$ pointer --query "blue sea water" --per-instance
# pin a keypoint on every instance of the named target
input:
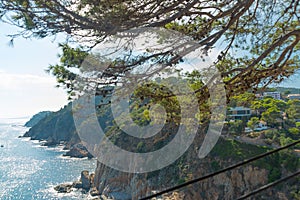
(30, 171)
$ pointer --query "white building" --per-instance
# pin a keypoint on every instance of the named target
(275, 95)
(293, 96)
(239, 113)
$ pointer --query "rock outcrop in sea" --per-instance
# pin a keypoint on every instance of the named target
(58, 128)
(78, 151)
(86, 184)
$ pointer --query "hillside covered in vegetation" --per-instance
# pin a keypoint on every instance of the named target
(234, 146)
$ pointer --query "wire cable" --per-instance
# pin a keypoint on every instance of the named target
(220, 171)
(268, 186)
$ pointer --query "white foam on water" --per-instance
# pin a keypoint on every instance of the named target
(74, 194)
(71, 158)
(59, 148)
(25, 139)
(35, 141)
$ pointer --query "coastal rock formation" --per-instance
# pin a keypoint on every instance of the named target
(50, 142)
(77, 184)
(59, 128)
(85, 184)
(78, 151)
(37, 118)
(226, 186)
(94, 192)
(112, 184)
(56, 128)
(63, 188)
(85, 180)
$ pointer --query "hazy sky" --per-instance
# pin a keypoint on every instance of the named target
(25, 88)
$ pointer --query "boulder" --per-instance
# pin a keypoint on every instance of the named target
(63, 188)
(77, 184)
(94, 192)
(78, 151)
(92, 179)
(105, 197)
(50, 142)
(85, 179)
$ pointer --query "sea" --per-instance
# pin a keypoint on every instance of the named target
(29, 170)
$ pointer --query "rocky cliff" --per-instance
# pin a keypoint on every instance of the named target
(37, 118)
(230, 185)
(59, 127)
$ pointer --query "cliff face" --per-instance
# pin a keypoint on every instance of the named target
(59, 127)
(37, 118)
(230, 185)
(55, 128)
(224, 186)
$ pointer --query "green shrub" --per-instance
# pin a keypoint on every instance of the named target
(274, 175)
(215, 166)
(268, 141)
(294, 131)
(181, 181)
(236, 127)
(271, 133)
(295, 194)
(290, 162)
(140, 146)
(285, 140)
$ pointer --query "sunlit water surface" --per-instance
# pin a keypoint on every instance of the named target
(30, 171)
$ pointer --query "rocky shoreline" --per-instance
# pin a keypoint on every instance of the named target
(57, 128)
(86, 184)
(77, 150)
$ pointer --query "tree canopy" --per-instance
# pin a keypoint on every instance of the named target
(258, 40)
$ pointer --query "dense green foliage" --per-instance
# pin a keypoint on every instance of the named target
(231, 149)
(260, 39)
(253, 122)
(236, 127)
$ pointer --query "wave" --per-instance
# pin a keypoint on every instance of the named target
(74, 194)
(73, 158)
